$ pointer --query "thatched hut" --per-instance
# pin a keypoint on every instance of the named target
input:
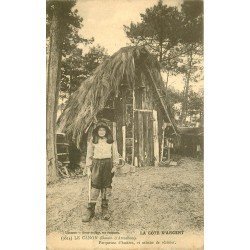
(128, 91)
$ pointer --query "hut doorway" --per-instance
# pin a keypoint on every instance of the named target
(137, 131)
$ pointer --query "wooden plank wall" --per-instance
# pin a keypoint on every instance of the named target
(144, 145)
(119, 123)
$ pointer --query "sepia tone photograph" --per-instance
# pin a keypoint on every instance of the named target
(124, 124)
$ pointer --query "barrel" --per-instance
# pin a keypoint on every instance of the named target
(62, 147)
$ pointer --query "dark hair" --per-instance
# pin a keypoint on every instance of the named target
(108, 134)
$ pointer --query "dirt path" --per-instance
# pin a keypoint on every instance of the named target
(169, 198)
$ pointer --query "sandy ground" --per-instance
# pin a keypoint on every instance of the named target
(169, 198)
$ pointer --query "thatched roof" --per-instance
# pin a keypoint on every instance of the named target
(90, 98)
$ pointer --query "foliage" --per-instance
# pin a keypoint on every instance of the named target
(77, 67)
(191, 61)
(192, 31)
(159, 30)
(71, 70)
(71, 24)
(63, 24)
(195, 102)
(192, 42)
(57, 13)
(174, 96)
(94, 58)
(190, 49)
(175, 37)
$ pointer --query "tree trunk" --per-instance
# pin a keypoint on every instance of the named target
(186, 89)
(53, 79)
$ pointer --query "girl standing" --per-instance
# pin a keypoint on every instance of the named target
(101, 163)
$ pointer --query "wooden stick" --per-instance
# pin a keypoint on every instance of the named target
(163, 102)
(124, 142)
(133, 127)
(114, 131)
(156, 140)
(141, 141)
(162, 144)
(89, 189)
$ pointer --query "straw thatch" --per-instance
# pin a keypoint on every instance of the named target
(90, 98)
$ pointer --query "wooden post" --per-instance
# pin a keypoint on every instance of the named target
(119, 124)
(136, 162)
(145, 124)
(124, 142)
(114, 131)
(156, 139)
(133, 127)
(146, 139)
(114, 134)
(151, 138)
(136, 138)
(141, 139)
(162, 144)
(124, 124)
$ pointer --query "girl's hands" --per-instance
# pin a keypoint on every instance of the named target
(114, 169)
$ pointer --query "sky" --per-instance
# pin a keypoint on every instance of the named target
(104, 20)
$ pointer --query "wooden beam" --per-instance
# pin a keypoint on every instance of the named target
(162, 144)
(143, 110)
(124, 142)
(150, 138)
(133, 127)
(156, 139)
(141, 139)
(163, 101)
(124, 124)
(136, 143)
(146, 138)
(114, 131)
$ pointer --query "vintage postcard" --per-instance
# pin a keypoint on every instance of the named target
(124, 124)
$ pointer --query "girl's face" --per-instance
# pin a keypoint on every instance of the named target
(101, 132)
